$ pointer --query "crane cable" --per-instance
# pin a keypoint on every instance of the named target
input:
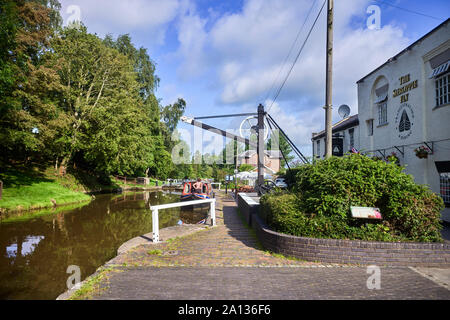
(295, 149)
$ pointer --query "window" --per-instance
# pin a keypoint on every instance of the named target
(443, 90)
(382, 113)
(381, 93)
(445, 187)
(351, 132)
(318, 148)
(369, 127)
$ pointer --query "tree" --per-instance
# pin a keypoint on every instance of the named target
(27, 87)
(246, 167)
(170, 116)
(109, 125)
(285, 149)
(8, 30)
(181, 157)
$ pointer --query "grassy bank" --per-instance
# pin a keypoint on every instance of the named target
(38, 187)
(33, 188)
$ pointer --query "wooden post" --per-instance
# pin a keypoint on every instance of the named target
(329, 84)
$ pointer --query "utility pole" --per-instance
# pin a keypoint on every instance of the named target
(261, 147)
(329, 85)
(236, 169)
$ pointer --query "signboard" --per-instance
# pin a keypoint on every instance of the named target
(366, 213)
(338, 147)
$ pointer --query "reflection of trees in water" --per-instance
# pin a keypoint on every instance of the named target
(86, 237)
(192, 215)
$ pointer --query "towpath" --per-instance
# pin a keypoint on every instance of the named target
(226, 262)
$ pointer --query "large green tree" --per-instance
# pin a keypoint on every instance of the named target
(109, 124)
(27, 86)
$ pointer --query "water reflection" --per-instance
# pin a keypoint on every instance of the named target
(35, 253)
(25, 248)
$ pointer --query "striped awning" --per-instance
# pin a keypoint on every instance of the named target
(440, 70)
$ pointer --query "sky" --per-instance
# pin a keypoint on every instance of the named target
(226, 57)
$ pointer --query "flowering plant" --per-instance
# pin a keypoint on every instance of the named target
(422, 152)
(393, 158)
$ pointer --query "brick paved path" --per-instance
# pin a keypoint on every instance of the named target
(231, 243)
(226, 262)
(281, 283)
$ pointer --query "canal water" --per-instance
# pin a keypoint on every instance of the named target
(36, 252)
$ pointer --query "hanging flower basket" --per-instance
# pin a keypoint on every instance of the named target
(422, 152)
(393, 158)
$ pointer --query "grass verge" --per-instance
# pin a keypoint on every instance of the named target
(35, 189)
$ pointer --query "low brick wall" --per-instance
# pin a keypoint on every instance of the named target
(352, 251)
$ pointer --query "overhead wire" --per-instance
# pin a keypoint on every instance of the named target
(409, 10)
(290, 50)
(281, 151)
(296, 58)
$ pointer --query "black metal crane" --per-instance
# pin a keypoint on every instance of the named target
(261, 115)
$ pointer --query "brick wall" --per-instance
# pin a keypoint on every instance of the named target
(352, 251)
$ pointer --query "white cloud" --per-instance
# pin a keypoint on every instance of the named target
(298, 124)
(192, 38)
(247, 49)
(239, 55)
(118, 16)
(260, 37)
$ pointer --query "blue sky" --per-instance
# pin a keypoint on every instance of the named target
(224, 56)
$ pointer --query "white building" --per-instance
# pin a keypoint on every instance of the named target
(405, 104)
(345, 138)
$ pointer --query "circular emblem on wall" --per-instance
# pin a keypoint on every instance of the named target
(404, 120)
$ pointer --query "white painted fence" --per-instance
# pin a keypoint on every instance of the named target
(155, 213)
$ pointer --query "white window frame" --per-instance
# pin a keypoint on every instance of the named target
(444, 186)
(442, 87)
(382, 113)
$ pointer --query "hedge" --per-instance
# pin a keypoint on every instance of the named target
(318, 204)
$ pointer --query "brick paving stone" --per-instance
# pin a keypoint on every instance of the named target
(284, 283)
(227, 262)
(230, 243)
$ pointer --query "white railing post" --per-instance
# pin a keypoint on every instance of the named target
(155, 212)
(155, 222)
(213, 212)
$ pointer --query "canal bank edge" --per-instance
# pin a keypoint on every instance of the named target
(344, 251)
(81, 202)
(146, 239)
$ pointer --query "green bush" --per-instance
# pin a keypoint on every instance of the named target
(319, 203)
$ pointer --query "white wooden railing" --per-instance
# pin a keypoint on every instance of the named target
(155, 213)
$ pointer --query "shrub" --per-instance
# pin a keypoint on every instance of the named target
(319, 203)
